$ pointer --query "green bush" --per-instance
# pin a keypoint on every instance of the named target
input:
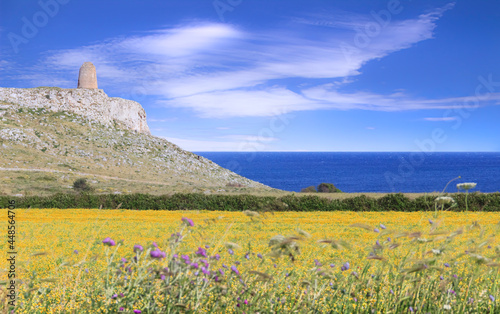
(309, 189)
(81, 185)
(198, 201)
(327, 188)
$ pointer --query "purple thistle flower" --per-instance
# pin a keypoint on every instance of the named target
(235, 270)
(223, 265)
(162, 277)
(216, 257)
(155, 245)
(382, 226)
(221, 271)
(492, 298)
(202, 252)
(121, 294)
(247, 256)
(392, 292)
(446, 265)
(344, 267)
(230, 251)
(355, 299)
(317, 262)
(388, 239)
(75, 251)
(376, 230)
(489, 246)
(114, 296)
(275, 265)
(246, 301)
(332, 265)
(157, 254)
(204, 261)
(411, 309)
(205, 270)
(378, 243)
(138, 248)
(121, 309)
(188, 222)
(186, 259)
(124, 260)
(194, 265)
(471, 300)
(441, 277)
(207, 246)
(431, 222)
(455, 276)
(259, 255)
(137, 311)
(237, 262)
(109, 242)
(87, 270)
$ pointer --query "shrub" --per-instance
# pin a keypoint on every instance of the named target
(309, 189)
(81, 185)
(327, 188)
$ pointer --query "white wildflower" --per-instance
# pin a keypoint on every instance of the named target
(447, 307)
(444, 200)
(466, 186)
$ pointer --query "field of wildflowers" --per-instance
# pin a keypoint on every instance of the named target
(99, 261)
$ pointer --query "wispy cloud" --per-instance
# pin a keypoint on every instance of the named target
(441, 119)
(219, 70)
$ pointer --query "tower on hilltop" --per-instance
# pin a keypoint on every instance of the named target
(87, 77)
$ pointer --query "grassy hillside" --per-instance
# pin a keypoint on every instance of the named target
(43, 152)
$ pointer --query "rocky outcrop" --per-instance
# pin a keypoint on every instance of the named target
(92, 103)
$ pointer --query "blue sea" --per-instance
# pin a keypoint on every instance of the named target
(365, 172)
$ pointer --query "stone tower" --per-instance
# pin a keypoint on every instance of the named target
(87, 77)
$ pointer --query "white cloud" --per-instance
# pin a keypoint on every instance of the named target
(441, 119)
(244, 103)
(219, 71)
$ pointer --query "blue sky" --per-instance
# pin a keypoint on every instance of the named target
(243, 75)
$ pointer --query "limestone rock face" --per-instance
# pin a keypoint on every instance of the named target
(92, 103)
(87, 78)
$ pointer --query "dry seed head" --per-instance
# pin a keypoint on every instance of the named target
(48, 280)
(263, 275)
(363, 226)
(303, 233)
(39, 254)
(376, 257)
(251, 213)
(231, 245)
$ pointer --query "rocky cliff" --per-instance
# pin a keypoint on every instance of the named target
(91, 103)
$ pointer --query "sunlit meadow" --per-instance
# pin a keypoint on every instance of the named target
(96, 261)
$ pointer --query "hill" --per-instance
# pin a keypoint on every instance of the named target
(48, 142)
